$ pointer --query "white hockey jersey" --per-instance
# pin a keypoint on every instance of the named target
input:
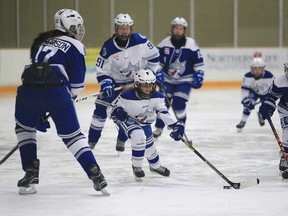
(120, 64)
(143, 111)
(260, 86)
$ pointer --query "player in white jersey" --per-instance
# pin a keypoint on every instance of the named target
(279, 90)
(255, 85)
(120, 57)
(49, 85)
(134, 111)
(182, 65)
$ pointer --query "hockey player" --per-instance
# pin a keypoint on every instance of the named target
(49, 85)
(182, 66)
(120, 57)
(255, 85)
(279, 91)
(134, 111)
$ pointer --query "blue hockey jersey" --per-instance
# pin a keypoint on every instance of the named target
(180, 63)
(67, 56)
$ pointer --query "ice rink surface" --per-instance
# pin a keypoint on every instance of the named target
(193, 187)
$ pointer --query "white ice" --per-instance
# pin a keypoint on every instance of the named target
(193, 187)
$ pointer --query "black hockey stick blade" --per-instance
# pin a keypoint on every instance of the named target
(232, 184)
(244, 184)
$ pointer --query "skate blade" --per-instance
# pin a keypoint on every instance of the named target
(138, 179)
(105, 192)
(32, 189)
(239, 130)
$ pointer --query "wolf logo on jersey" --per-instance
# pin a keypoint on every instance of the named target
(130, 70)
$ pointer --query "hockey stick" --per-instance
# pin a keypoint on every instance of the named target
(239, 185)
(277, 138)
(48, 116)
(16, 146)
(100, 93)
(170, 104)
(258, 102)
(9, 154)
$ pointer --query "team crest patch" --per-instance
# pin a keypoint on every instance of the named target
(166, 51)
(104, 51)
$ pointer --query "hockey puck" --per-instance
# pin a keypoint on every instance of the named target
(227, 187)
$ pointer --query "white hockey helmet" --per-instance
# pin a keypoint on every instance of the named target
(257, 67)
(179, 21)
(123, 19)
(70, 21)
(286, 69)
(144, 76)
(257, 62)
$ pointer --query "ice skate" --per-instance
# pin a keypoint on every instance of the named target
(27, 185)
(98, 180)
(120, 146)
(161, 170)
(157, 132)
(283, 167)
(260, 119)
(138, 173)
(240, 126)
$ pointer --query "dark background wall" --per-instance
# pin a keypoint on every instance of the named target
(213, 23)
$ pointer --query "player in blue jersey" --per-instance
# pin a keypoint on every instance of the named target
(279, 90)
(134, 111)
(120, 57)
(255, 85)
(49, 85)
(182, 66)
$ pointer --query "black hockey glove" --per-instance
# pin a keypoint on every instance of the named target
(267, 108)
(119, 115)
(178, 130)
(43, 124)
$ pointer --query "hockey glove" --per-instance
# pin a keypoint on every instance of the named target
(119, 115)
(43, 124)
(198, 78)
(178, 130)
(107, 87)
(248, 103)
(267, 108)
(159, 78)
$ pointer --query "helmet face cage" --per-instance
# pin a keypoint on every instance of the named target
(144, 77)
(70, 21)
(181, 22)
(123, 20)
(286, 69)
(257, 63)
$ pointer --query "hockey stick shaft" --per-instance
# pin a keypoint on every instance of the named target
(170, 104)
(9, 154)
(232, 184)
(16, 146)
(100, 93)
(206, 161)
(277, 137)
(97, 94)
